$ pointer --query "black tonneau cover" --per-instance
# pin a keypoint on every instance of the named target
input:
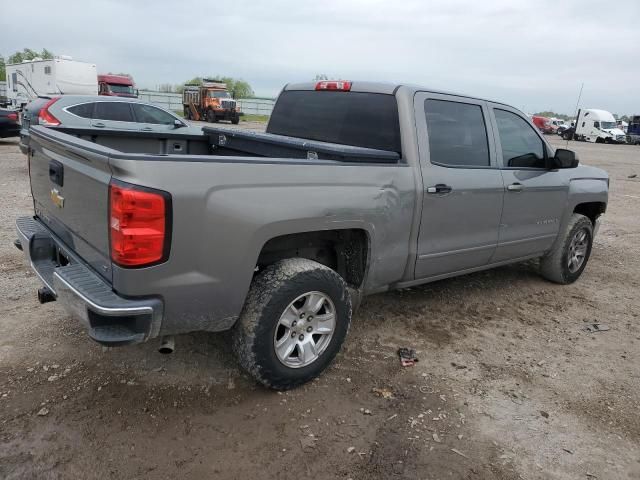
(270, 145)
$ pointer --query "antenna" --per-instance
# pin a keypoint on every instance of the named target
(575, 113)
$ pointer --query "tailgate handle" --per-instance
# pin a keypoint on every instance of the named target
(56, 172)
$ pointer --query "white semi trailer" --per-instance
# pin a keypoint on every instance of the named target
(57, 76)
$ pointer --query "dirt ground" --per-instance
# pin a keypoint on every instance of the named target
(509, 384)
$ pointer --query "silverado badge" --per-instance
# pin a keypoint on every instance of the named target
(56, 198)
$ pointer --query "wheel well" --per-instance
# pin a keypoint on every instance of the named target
(591, 210)
(345, 251)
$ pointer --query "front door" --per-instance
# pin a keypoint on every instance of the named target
(535, 196)
(463, 189)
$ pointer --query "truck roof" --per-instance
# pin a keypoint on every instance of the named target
(386, 88)
(599, 114)
(117, 79)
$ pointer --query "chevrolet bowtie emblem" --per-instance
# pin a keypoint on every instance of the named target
(56, 198)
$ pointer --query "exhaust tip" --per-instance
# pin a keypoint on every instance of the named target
(167, 345)
(45, 295)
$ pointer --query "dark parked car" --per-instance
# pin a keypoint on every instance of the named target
(100, 112)
(9, 126)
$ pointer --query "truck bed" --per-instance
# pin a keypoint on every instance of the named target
(219, 142)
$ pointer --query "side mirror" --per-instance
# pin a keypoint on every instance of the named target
(178, 124)
(564, 159)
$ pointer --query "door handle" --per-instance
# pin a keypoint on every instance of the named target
(439, 188)
(146, 129)
(515, 187)
(99, 125)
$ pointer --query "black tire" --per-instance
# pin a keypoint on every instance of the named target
(566, 135)
(271, 292)
(187, 113)
(555, 265)
(235, 120)
(211, 116)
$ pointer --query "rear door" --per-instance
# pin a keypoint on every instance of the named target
(463, 189)
(535, 196)
(152, 119)
(114, 116)
(70, 187)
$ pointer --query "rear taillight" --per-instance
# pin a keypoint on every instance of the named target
(338, 85)
(45, 117)
(139, 225)
(13, 116)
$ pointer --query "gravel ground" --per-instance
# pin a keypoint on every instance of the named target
(509, 384)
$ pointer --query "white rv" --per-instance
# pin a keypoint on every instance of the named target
(58, 76)
(598, 126)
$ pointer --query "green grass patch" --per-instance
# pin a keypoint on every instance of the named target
(254, 118)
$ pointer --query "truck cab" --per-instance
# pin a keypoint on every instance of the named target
(598, 126)
(543, 124)
(116, 86)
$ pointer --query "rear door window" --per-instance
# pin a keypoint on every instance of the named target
(84, 110)
(457, 134)
(114, 111)
(359, 119)
(148, 114)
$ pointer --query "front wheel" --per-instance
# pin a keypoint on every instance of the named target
(235, 120)
(567, 260)
(294, 321)
(211, 116)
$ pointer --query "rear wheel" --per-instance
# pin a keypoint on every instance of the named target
(294, 321)
(567, 260)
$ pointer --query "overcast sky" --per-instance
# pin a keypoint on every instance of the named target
(531, 54)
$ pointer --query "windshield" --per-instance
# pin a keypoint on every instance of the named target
(219, 94)
(117, 88)
(606, 125)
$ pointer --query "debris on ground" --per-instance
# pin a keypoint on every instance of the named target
(436, 438)
(43, 411)
(596, 327)
(382, 392)
(544, 414)
(308, 442)
(455, 450)
(351, 449)
(408, 356)
(633, 176)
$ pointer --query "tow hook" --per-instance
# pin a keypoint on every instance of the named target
(167, 345)
(45, 295)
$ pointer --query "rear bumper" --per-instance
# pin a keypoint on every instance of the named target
(109, 318)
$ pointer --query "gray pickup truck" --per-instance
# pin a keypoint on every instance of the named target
(355, 188)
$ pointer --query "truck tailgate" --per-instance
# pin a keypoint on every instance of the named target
(70, 187)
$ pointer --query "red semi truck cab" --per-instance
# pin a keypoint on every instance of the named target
(544, 124)
(116, 86)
